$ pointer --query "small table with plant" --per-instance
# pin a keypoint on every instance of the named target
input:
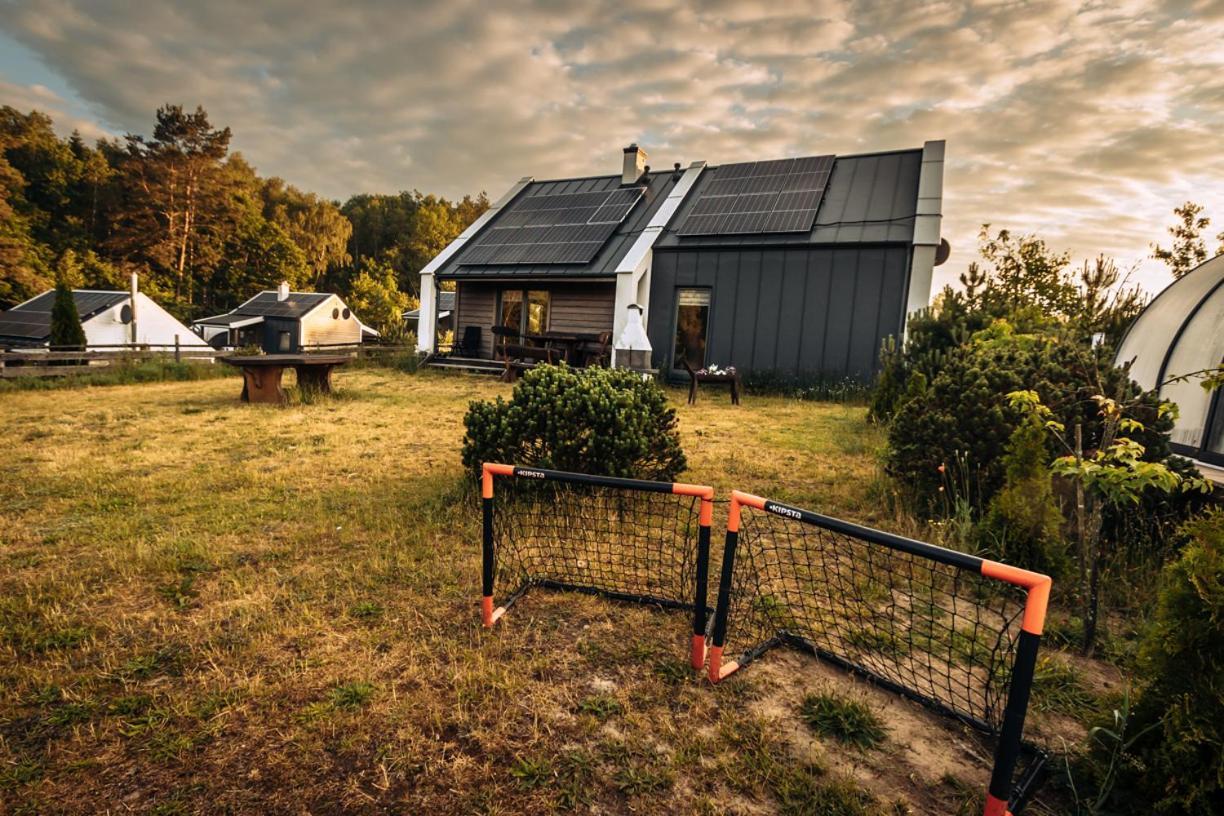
(712, 374)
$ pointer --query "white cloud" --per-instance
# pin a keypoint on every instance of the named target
(1086, 122)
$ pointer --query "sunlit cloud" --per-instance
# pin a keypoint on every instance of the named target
(1084, 122)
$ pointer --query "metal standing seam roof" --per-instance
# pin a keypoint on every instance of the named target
(870, 198)
(31, 321)
(603, 265)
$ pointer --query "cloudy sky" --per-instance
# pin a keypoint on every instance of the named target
(1083, 122)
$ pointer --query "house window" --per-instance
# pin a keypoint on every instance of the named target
(512, 309)
(525, 312)
(283, 342)
(692, 320)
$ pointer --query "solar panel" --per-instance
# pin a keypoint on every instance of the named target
(782, 195)
(18, 323)
(557, 228)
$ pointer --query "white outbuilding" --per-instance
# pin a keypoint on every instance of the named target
(109, 318)
(1179, 333)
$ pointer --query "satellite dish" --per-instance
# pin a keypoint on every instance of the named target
(125, 314)
(942, 252)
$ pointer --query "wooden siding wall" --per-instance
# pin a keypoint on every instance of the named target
(475, 304)
(813, 310)
(581, 307)
(573, 307)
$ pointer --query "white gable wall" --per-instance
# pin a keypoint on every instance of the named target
(154, 326)
(319, 327)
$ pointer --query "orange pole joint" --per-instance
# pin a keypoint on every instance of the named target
(487, 472)
(739, 500)
(1038, 587)
(718, 670)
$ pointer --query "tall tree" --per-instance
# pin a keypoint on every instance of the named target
(173, 199)
(316, 226)
(1188, 249)
(376, 299)
(1024, 272)
(23, 267)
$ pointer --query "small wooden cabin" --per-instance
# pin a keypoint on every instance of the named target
(283, 322)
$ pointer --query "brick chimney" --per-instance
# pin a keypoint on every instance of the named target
(282, 291)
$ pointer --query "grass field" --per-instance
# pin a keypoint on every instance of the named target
(207, 607)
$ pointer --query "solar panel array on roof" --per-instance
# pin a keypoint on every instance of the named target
(759, 197)
(32, 319)
(35, 326)
(267, 305)
(564, 228)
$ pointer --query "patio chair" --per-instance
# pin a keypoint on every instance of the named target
(599, 352)
(469, 345)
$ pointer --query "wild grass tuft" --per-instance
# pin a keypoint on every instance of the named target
(848, 721)
(352, 695)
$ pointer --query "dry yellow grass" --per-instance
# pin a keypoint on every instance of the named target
(207, 607)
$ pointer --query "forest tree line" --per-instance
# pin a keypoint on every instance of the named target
(200, 226)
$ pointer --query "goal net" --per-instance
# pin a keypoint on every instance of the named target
(954, 631)
(628, 539)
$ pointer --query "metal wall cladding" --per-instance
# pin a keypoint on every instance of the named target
(820, 311)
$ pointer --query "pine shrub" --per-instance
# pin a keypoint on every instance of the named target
(1022, 525)
(1182, 657)
(609, 422)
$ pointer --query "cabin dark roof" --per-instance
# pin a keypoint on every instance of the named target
(869, 199)
(603, 265)
(265, 304)
(296, 306)
(446, 303)
(30, 322)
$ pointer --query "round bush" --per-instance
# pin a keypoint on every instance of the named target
(608, 422)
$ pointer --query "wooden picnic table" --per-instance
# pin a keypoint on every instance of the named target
(261, 374)
(570, 343)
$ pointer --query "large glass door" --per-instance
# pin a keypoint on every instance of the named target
(525, 311)
(692, 322)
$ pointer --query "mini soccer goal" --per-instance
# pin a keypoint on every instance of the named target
(627, 539)
(953, 631)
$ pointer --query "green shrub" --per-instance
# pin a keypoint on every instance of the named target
(609, 422)
(1182, 657)
(964, 416)
(1022, 522)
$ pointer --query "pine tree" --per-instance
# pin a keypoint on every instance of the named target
(66, 331)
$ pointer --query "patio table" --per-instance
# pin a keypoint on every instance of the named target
(261, 374)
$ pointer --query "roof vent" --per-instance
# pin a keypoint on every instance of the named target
(634, 166)
(282, 291)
